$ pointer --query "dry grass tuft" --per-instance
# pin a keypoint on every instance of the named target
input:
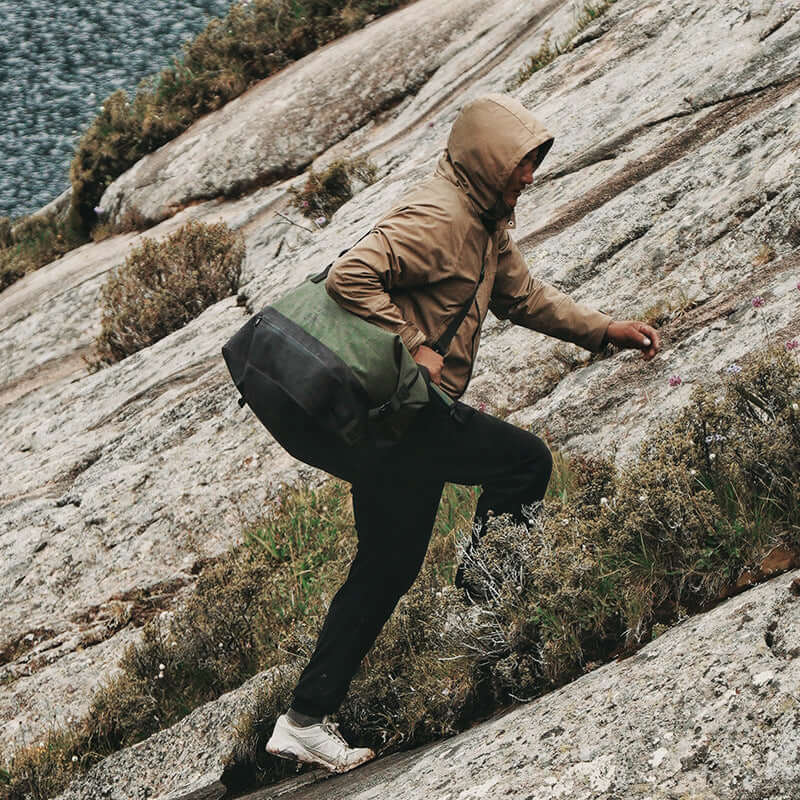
(325, 192)
(32, 242)
(165, 284)
(549, 51)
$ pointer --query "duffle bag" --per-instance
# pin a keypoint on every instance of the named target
(354, 378)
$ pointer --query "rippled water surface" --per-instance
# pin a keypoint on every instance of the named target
(58, 61)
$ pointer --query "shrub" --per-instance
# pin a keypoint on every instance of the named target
(325, 192)
(163, 285)
(254, 40)
(113, 142)
(31, 243)
(6, 239)
(712, 493)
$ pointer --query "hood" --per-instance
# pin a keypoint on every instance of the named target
(489, 137)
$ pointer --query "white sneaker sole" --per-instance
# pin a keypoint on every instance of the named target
(307, 757)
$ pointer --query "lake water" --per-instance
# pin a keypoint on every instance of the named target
(58, 61)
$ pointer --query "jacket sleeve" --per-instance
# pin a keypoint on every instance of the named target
(409, 248)
(520, 297)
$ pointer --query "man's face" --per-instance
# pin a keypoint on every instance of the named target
(521, 177)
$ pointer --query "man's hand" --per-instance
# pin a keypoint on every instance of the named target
(634, 334)
(431, 360)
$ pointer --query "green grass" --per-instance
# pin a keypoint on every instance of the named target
(613, 559)
(549, 50)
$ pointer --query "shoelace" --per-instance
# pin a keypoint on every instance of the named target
(333, 729)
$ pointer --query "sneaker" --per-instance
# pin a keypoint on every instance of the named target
(316, 744)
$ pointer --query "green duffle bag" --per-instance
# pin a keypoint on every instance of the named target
(354, 378)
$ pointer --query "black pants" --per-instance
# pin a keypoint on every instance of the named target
(396, 491)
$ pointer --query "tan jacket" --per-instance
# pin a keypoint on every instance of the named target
(419, 265)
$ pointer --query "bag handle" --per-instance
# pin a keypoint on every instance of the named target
(319, 277)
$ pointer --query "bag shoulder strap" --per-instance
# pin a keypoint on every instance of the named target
(321, 276)
(442, 345)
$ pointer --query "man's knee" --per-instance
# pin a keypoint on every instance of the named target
(400, 572)
(547, 463)
(539, 468)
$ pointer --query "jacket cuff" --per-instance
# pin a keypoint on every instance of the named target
(605, 340)
(412, 337)
(596, 336)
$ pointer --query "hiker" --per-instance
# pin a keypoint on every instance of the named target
(412, 274)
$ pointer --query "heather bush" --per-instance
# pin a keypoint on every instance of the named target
(712, 493)
(165, 284)
(6, 239)
(31, 243)
(325, 192)
(113, 142)
(254, 40)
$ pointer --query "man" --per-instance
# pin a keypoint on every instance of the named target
(414, 272)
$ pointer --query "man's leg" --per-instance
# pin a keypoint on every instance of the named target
(394, 520)
(512, 465)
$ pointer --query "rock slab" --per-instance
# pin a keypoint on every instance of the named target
(282, 123)
(673, 187)
(708, 710)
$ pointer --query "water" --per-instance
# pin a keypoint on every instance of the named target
(58, 61)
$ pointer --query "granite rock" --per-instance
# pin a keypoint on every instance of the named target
(673, 181)
(709, 709)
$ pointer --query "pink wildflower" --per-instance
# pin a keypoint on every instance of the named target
(482, 408)
(675, 380)
(758, 301)
(793, 344)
